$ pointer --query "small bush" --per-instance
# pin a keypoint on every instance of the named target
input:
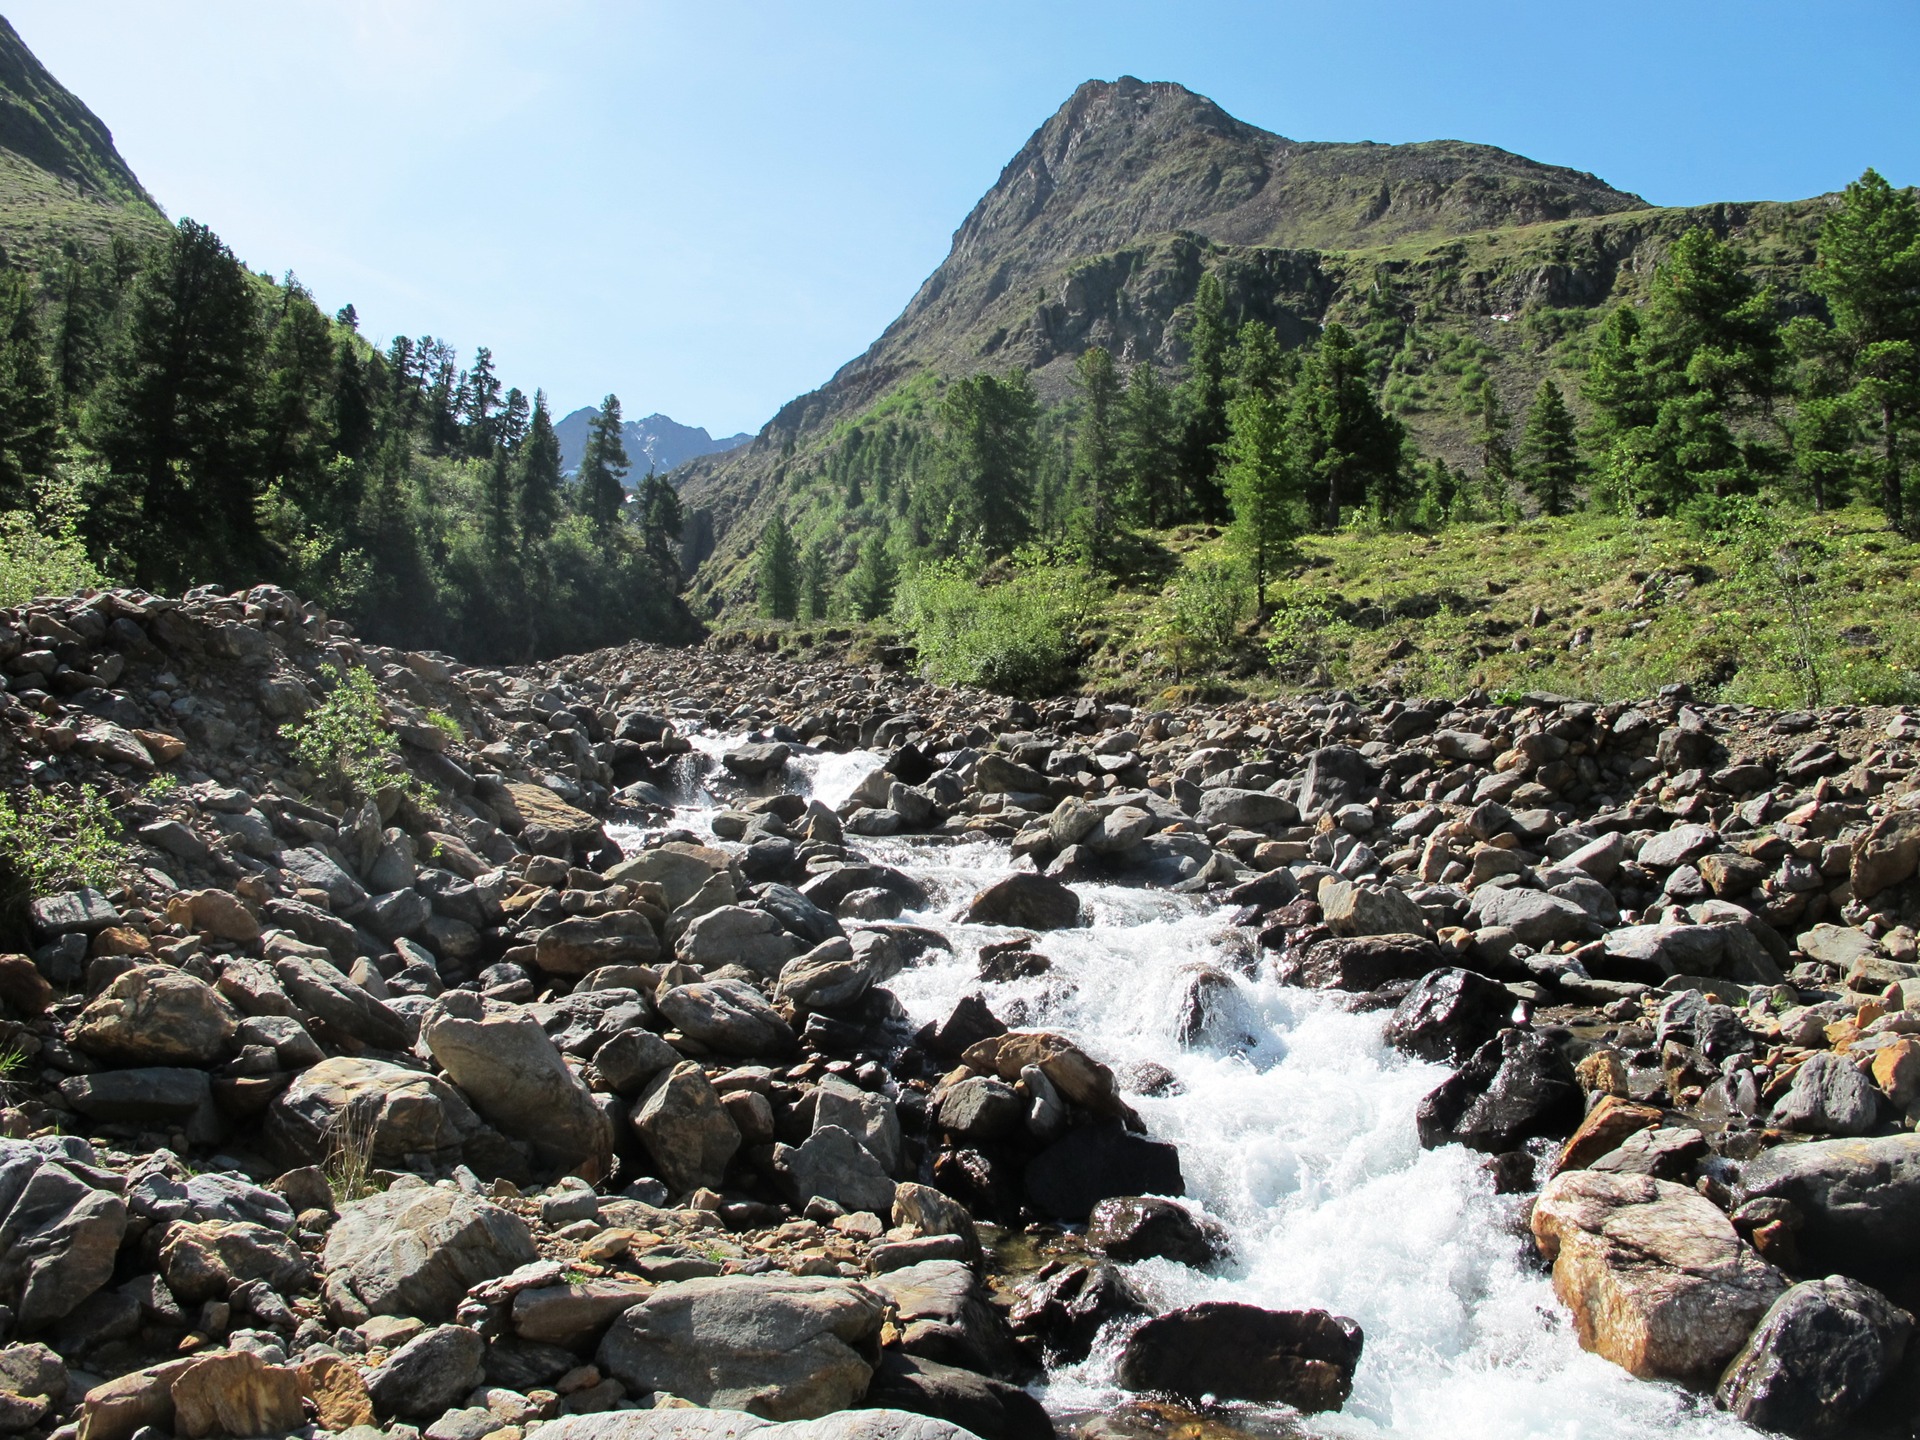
(41, 552)
(1018, 637)
(1199, 617)
(444, 723)
(349, 1166)
(345, 740)
(52, 844)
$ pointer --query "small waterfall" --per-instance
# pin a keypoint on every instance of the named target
(1295, 1124)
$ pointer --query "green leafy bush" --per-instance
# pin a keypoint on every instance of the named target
(52, 843)
(41, 552)
(1198, 619)
(345, 740)
(1020, 636)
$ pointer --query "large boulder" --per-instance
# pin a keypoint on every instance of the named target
(332, 1005)
(1449, 1014)
(60, 1229)
(1064, 1308)
(1335, 776)
(1537, 918)
(417, 1249)
(779, 1346)
(979, 1404)
(1828, 1096)
(428, 1374)
(1353, 907)
(1145, 1227)
(1362, 963)
(685, 1128)
(1025, 901)
(1517, 1087)
(587, 942)
(205, 1260)
(1096, 1162)
(832, 1164)
(518, 1080)
(677, 1424)
(1887, 854)
(1658, 1280)
(729, 1017)
(1856, 1198)
(385, 1110)
(1246, 809)
(1823, 1350)
(1302, 1358)
(738, 935)
(156, 1015)
(943, 1315)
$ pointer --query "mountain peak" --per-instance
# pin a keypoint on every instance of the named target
(47, 125)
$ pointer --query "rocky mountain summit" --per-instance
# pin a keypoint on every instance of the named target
(658, 442)
(489, 1098)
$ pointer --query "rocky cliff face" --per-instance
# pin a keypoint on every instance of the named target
(658, 442)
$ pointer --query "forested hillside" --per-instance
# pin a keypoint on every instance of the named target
(170, 418)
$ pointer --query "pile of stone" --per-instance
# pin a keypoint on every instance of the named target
(436, 1110)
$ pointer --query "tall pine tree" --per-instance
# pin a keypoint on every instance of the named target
(29, 413)
(778, 570)
(1203, 402)
(1550, 451)
(603, 468)
(537, 474)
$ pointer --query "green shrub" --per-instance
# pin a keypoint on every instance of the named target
(1020, 636)
(41, 552)
(1198, 619)
(51, 843)
(345, 741)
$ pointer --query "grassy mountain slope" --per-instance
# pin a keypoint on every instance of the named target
(1454, 262)
(60, 177)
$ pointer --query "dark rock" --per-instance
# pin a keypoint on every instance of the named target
(1821, 1352)
(1097, 1162)
(989, 1408)
(1857, 1197)
(1065, 1306)
(1027, 901)
(1449, 1014)
(1516, 1087)
(1302, 1358)
(1363, 962)
(1143, 1227)
(429, 1373)
(1336, 774)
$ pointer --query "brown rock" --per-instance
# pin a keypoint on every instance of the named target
(1607, 1124)
(1657, 1278)
(1602, 1071)
(236, 1393)
(1078, 1077)
(221, 915)
(115, 1410)
(1886, 854)
(23, 989)
(338, 1392)
(153, 1015)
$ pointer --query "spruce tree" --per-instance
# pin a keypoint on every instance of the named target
(29, 413)
(778, 571)
(1348, 449)
(874, 579)
(1550, 451)
(814, 583)
(1496, 450)
(497, 520)
(537, 474)
(482, 400)
(178, 422)
(1203, 402)
(1149, 456)
(603, 466)
(1869, 274)
(353, 422)
(985, 492)
(662, 521)
(1096, 457)
(1262, 483)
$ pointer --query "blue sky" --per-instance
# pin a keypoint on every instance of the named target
(708, 207)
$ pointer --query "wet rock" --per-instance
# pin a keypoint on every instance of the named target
(1516, 1087)
(1098, 1162)
(1828, 1096)
(1025, 901)
(429, 1373)
(1607, 1126)
(416, 1250)
(1145, 1227)
(59, 1232)
(519, 1082)
(779, 1346)
(1655, 1275)
(1066, 1306)
(1823, 1350)
(1302, 1358)
(755, 760)
(1857, 1198)
(830, 977)
(1363, 963)
(979, 1404)
(153, 1015)
(1449, 1014)
(685, 1128)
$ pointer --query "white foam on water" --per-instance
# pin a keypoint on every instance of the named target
(1295, 1125)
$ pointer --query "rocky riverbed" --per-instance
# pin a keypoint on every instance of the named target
(719, 1045)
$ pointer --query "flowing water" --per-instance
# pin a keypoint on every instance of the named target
(1295, 1125)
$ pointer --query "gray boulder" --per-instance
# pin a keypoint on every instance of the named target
(156, 1015)
(1828, 1096)
(517, 1078)
(1027, 902)
(389, 1111)
(1246, 809)
(737, 935)
(60, 1230)
(779, 1346)
(1823, 1350)
(417, 1249)
(832, 1164)
(1857, 1199)
(727, 1016)
(685, 1128)
(1539, 919)
(428, 1374)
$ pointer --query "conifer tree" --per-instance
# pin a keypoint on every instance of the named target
(1096, 458)
(778, 570)
(814, 581)
(1869, 274)
(1149, 457)
(1550, 451)
(497, 520)
(662, 520)
(603, 466)
(1203, 402)
(537, 474)
(29, 414)
(1347, 448)
(874, 579)
(985, 492)
(353, 423)
(482, 400)
(1262, 483)
(1493, 425)
(514, 416)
